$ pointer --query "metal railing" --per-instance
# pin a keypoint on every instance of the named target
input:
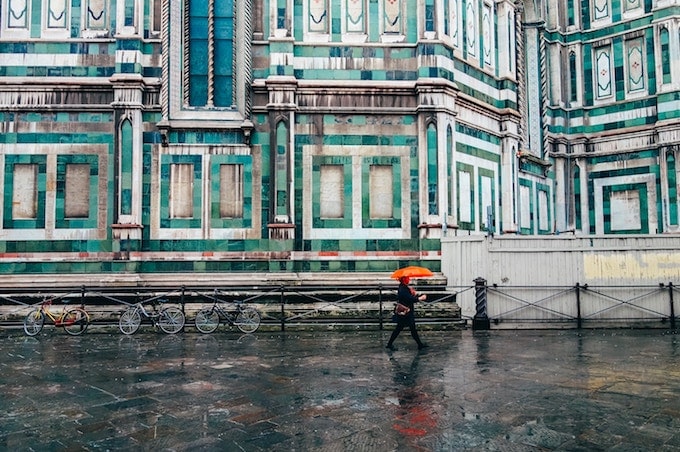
(281, 305)
(578, 305)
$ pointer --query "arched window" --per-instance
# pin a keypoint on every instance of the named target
(126, 176)
(449, 167)
(571, 14)
(573, 85)
(432, 165)
(577, 197)
(672, 189)
(210, 67)
(281, 15)
(429, 15)
(130, 19)
(665, 56)
(281, 171)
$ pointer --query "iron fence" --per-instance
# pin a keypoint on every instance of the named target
(579, 305)
(281, 305)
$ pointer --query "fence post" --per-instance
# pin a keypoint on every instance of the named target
(481, 319)
(380, 312)
(283, 311)
(181, 299)
(578, 306)
(670, 292)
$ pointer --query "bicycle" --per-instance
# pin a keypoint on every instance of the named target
(170, 319)
(245, 318)
(74, 320)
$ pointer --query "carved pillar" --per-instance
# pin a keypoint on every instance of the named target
(510, 146)
(281, 108)
(436, 109)
(128, 163)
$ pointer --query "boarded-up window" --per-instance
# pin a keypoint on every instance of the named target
(25, 195)
(77, 191)
(381, 186)
(231, 191)
(543, 219)
(465, 196)
(486, 187)
(332, 191)
(525, 214)
(181, 190)
(626, 210)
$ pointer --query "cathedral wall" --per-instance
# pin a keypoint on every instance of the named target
(264, 137)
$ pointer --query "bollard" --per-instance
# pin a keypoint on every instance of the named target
(670, 292)
(481, 320)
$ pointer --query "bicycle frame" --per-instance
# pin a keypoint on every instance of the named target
(74, 320)
(152, 315)
(169, 319)
(245, 318)
(56, 319)
(224, 314)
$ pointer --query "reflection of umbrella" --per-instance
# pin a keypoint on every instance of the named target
(412, 271)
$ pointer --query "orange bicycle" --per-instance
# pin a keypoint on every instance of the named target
(74, 320)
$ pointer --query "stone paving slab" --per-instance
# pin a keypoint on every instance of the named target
(610, 390)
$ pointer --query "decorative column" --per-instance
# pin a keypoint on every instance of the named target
(510, 142)
(281, 108)
(128, 164)
(436, 111)
(582, 163)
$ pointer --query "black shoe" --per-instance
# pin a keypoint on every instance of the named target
(422, 346)
(391, 347)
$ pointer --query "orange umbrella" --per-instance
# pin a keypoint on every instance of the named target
(412, 271)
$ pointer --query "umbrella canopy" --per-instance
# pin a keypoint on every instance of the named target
(412, 271)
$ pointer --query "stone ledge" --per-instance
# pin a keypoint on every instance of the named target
(207, 279)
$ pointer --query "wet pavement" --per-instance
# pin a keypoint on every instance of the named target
(614, 390)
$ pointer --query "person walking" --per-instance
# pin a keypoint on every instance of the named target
(407, 296)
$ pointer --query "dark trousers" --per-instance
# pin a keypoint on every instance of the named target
(401, 324)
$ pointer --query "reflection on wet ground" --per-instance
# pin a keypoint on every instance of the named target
(495, 390)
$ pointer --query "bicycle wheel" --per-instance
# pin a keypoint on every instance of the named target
(129, 321)
(207, 320)
(248, 320)
(34, 321)
(171, 320)
(75, 321)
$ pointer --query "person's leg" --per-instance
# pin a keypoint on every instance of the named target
(414, 334)
(395, 333)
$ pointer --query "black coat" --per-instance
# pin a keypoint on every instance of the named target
(406, 297)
